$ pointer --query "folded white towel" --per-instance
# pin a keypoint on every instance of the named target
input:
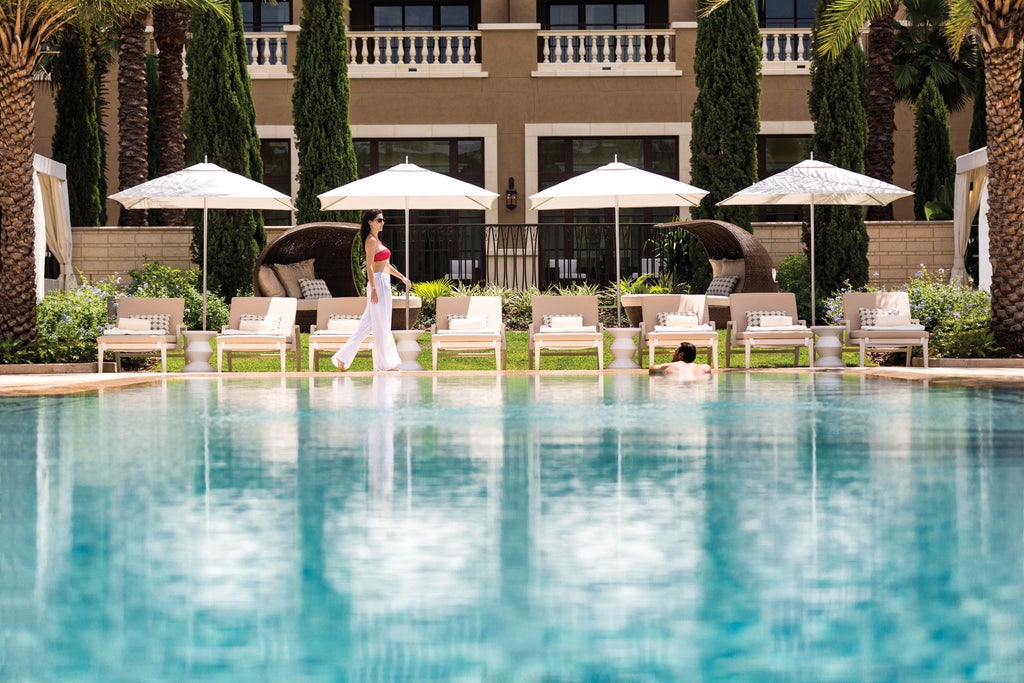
(669, 328)
(909, 327)
(585, 329)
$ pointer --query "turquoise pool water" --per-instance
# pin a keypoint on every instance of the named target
(555, 528)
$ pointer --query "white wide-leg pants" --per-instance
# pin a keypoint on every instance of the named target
(377, 319)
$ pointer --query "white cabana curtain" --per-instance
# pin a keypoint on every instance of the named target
(52, 220)
(971, 174)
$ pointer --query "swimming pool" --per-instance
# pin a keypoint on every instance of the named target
(808, 527)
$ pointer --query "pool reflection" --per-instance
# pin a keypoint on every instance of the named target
(528, 527)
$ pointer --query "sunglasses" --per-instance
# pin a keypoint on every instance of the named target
(378, 219)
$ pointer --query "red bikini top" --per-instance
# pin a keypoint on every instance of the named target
(383, 255)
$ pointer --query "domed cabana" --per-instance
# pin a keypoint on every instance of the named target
(323, 249)
(732, 251)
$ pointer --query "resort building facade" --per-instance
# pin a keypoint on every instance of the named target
(518, 95)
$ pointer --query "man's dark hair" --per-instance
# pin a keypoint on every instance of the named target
(686, 352)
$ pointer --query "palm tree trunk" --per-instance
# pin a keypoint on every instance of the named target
(132, 114)
(17, 227)
(170, 29)
(881, 105)
(1002, 51)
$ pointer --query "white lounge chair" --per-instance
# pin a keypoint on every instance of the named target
(336, 319)
(893, 328)
(565, 326)
(766, 321)
(259, 325)
(672, 319)
(145, 325)
(469, 326)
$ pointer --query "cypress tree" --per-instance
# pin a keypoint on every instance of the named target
(836, 101)
(76, 135)
(320, 102)
(725, 117)
(933, 157)
(220, 124)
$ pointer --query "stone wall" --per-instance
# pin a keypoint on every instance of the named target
(897, 249)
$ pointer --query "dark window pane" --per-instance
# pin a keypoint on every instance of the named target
(564, 16)
(631, 16)
(273, 17)
(419, 17)
(277, 173)
(455, 17)
(387, 18)
(471, 157)
(599, 16)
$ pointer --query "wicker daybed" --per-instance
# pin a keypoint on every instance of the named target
(328, 245)
(732, 251)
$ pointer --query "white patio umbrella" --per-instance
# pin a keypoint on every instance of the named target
(203, 186)
(815, 182)
(617, 185)
(407, 186)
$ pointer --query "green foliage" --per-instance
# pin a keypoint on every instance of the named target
(69, 322)
(672, 250)
(16, 351)
(933, 157)
(156, 280)
(941, 208)
(923, 53)
(220, 124)
(793, 274)
(958, 317)
(725, 116)
(429, 291)
(320, 105)
(76, 133)
(836, 102)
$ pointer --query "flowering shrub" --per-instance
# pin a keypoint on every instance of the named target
(156, 280)
(68, 323)
(794, 275)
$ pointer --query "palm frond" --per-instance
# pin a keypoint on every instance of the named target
(842, 22)
(960, 24)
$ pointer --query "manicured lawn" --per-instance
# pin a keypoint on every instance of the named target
(517, 359)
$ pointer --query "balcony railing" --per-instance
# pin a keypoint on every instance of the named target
(268, 52)
(785, 50)
(405, 52)
(628, 51)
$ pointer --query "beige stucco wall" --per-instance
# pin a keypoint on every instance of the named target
(896, 252)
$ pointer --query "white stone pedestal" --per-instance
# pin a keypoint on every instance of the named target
(828, 346)
(198, 351)
(623, 347)
(408, 348)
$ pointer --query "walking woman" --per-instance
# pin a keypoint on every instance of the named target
(377, 316)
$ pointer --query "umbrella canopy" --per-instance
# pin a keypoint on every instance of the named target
(617, 185)
(407, 186)
(203, 186)
(814, 182)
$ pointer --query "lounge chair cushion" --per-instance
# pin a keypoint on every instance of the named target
(869, 316)
(314, 288)
(268, 324)
(291, 273)
(343, 323)
(722, 285)
(666, 319)
(776, 321)
(158, 322)
(754, 317)
(562, 321)
(269, 284)
(466, 323)
(133, 324)
(582, 329)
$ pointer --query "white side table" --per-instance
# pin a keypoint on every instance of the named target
(829, 346)
(623, 347)
(198, 351)
(408, 348)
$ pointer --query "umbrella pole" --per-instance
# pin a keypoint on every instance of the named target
(618, 271)
(204, 262)
(812, 266)
(407, 261)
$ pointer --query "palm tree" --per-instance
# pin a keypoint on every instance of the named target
(26, 28)
(880, 153)
(922, 53)
(132, 111)
(999, 26)
(170, 30)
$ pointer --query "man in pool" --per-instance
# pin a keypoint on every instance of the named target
(682, 365)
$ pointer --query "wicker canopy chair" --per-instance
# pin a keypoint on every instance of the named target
(330, 247)
(727, 244)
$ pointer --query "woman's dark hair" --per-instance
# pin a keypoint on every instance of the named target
(686, 352)
(368, 216)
